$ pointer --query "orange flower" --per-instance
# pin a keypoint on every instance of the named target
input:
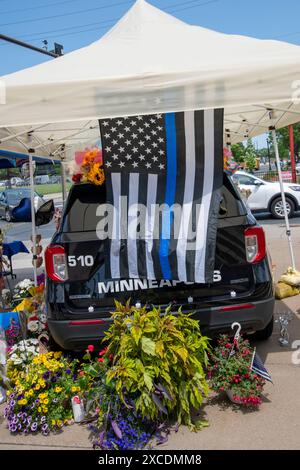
(96, 174)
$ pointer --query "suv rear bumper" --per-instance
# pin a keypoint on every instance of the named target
(254, 316)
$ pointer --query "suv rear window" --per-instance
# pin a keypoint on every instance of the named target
(84, 199)
(80, 212)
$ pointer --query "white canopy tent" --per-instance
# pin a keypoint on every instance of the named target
(151, 62)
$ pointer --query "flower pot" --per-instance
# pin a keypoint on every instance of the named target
(230, 395)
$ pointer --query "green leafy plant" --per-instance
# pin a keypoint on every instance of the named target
(158, 362)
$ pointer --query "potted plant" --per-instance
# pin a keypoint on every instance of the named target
(230, 371)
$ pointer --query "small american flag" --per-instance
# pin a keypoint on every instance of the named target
(257, 366)
(164, 159)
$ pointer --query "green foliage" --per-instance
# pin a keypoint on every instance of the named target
(159, 361)
(250, 156)
(229, 371)
(238, 152)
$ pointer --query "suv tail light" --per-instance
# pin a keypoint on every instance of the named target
(255, 243)
(56, 263)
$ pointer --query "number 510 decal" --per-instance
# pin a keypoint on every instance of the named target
(83, 261)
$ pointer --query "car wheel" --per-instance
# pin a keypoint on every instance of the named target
(277, 208)
(266, 333)
(8, 217)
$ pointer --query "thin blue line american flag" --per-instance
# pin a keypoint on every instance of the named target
(164, 159)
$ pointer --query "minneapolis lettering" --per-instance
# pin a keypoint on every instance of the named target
(125, 285)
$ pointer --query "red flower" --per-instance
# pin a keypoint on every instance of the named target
(100, 359)
(111, 356)
(77, 178)
(91, 348)
(228, 346)
(104, 351)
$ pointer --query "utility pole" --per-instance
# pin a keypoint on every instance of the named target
(292, 152)
(58, 49)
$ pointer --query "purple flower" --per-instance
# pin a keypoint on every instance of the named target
(45, 427)
(20, 415)
(43, 419)
(29, 419)
(20, 396)
(34, 427)
(68, 371)
(13, 428)
(46, 375)
(37, 400)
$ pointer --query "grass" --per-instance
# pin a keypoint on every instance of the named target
(44, 189)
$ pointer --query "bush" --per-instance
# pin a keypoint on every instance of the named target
(159, 361)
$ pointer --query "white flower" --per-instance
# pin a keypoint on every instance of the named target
(18, 361)
(33, 326)
(43, 318)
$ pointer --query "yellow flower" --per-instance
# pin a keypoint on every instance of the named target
(37, 387)
(22, 402)
(59, 423)
(30, 392)
(58, 389)
(57, 354)
(39, 409)
(96, 175)
(45, 410)
(46, 402)
(74, 389)
(53, 422)
(27, 394)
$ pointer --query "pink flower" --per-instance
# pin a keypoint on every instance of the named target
(91, 348)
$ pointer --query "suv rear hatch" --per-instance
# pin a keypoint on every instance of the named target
(86, 285)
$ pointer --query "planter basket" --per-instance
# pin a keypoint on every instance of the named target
(230, 395)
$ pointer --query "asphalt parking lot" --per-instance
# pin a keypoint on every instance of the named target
(276, 425)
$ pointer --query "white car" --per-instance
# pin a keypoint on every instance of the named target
(265, 196)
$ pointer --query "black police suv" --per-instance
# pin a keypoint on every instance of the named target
(80, 298)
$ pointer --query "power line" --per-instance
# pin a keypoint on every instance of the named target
(78, 12)
(33, 35)
(21, 10)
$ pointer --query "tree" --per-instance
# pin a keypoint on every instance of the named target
(283, 136)
(238, 152)
(250, 155)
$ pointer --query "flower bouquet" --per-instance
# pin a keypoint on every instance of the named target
(230, 371)
(88, 167)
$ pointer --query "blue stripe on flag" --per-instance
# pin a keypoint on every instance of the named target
(167, 216)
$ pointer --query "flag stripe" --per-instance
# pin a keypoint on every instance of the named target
(116, 232)
(215, 196)
(124, 272)
(150, 221)
(167, 218)
(201, 237)
(189, 125)
(132, 225)
(198, 190)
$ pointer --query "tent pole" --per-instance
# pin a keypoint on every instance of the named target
(31, 151)
(63, 178)
(287, 222)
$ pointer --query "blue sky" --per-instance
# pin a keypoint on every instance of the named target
(53, 20)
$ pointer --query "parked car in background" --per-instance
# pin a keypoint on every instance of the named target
(265, 196)
(80, 296)
(42, 179)
(11, 199)
(3, 184)
(54, 179)
(16, 181)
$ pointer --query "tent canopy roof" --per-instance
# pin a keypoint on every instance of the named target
(151, 62)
